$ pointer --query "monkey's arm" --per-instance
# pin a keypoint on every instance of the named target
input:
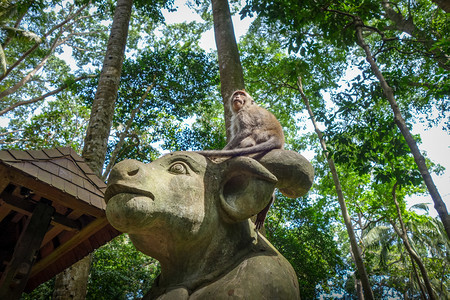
(236, 140)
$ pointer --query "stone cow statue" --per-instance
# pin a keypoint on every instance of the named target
(192, 214)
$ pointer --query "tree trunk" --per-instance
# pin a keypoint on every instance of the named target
(360, 267)
(96, 140)
(73, 281)
(439, 204)
(403, 235)
(443, 4)
(423, 295)
(231, 74)
(359, 289)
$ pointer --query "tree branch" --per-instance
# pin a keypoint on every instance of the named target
(28, 77)
(413, 255)
(124, 133)
(62, 87)
(408, 26)
(36, 45)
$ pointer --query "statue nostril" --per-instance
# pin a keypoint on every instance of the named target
(133, 171)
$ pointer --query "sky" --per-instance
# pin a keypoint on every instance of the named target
(207, 42)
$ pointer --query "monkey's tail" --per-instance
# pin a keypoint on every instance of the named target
(263, 147)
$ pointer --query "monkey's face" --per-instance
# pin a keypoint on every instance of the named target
(239, 100)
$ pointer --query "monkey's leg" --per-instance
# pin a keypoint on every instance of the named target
(261, 217)
(238, 138)
(247, 142)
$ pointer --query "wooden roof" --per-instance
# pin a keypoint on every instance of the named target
(60, 177)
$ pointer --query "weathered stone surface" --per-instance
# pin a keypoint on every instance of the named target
(192, 214)
(294, 172)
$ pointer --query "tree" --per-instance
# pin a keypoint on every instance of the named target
(403, 235)
(183, 81)
(370, 153)
(32, 64)
(120, 271)
(60, 123)
(31, 44)
(276, 70)
(388, 256)
(365, 142)
(356, 252)
(95, 143)
(9, 12)
(73, 281)
(231, 74)
(183, 75)
(400, 121)
(307, 242)
(321, 19)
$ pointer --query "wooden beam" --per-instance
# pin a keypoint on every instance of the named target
(66, 223)
(25, 207)
(51, 234)
(57, 229)
(18, 204)
(16, 274)
(4, 180)
(84, 234)
(5, 209)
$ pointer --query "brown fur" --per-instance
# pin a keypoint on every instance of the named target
(253, 129)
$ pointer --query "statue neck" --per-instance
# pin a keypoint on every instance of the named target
(203, 261)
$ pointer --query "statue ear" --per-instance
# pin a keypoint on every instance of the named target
(295, 173)
(246, 188)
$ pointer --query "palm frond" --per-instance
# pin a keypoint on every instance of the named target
(20, 33)
(421, 206)
(375, 235)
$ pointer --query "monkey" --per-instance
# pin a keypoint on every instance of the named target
(253, 129)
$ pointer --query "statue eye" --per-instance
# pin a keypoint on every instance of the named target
(178, 168)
